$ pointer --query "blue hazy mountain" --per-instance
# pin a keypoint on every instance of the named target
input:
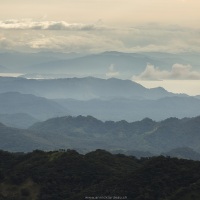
(16, 61)
(105, 99)
(38, 107)
(134, 109)
(3, 69)
(18, 120)
(126, 64)
(82, 88)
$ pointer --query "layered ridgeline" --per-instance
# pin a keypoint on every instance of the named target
(20, 110)
(81, 88)
(97, 175)
(18, 120)
(105, 99)
(145, 135)
(53, 64)
(87, 133)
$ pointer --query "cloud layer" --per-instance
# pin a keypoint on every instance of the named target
(32, 35)
(177, 72)
(27, 24)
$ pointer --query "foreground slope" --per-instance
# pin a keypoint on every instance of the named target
(69, 175)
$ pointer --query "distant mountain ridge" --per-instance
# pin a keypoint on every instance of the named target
(82, 88)
(38, 107)
(18, 120)
(17, 60)
(105, 99)
(127, 64)
(134, 109)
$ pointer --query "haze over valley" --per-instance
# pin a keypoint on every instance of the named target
(99, 99)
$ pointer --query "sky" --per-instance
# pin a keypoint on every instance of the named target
(93, 26)
(100, 25)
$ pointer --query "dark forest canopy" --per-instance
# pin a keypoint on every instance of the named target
(59, 175)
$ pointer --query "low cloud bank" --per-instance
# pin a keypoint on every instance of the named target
(177, 72)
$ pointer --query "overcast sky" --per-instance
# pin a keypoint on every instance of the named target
(100, 25)
(117, 12)
(92, 26)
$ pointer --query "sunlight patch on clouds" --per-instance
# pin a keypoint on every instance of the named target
(27, 24)
(177, 72)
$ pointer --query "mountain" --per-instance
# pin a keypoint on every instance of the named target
(197, 96)
(17, 120)
(3, 69)
(146, 135)
(134, 109)
(105, 99)
(140, 138)
(184, 152)
(125, 64)
(17, 61)
(82, 88)
(38, 107)
(97, 64)
(19, 140)
(69, 175)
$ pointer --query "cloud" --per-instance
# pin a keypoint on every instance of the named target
(177, 72)
(27, 24)
(83, 42)
(112, 72)
(23, 35)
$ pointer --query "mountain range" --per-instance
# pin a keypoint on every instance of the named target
(87, 133)
(82, 88)
(37, 107)
(134, 109)
(105, 99)
(18, 120)
(125, 64)
(145, 135)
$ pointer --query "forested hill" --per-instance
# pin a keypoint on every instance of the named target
(88, 133)
(60, 175)
(145, 135)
